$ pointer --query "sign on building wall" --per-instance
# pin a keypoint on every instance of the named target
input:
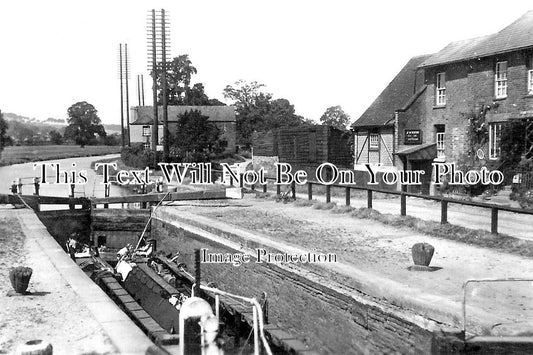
(413, 136)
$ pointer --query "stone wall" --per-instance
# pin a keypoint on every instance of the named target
(329, 320)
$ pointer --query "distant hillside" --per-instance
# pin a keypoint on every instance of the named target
(49, 121)
(112, 128)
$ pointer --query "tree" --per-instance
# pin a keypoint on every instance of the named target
(280, 114)
(83, 124)
(256, 111)
(179, 73)
(4, 138)
(335, 117)
(55, 137)
(196, 138)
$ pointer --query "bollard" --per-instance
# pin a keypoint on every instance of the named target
(328, 193)
(19, 184)
(241, 181)
(278, 189)
(72, 188)
(265, 188)
(369, 198)
(403, 205)
(309, 191)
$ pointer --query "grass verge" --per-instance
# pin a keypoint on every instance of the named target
(26, 154)
(478, 237)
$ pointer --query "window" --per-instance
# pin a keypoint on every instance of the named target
(440, 89)
(495, 136)
(374, 141)
(440, 145)
(500, 87)
(146, 131)
(439, 139)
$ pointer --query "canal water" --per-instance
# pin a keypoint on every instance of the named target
(26, 172)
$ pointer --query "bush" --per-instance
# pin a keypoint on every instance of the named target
(138, 157)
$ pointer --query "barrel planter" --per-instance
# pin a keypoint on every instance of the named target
(422, 253)
(20, 278)
(35, 347)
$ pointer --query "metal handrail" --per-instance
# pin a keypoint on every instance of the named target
(257, 316)
(480, 281)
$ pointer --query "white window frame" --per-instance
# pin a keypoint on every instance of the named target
(373, 141)
(440, 138)
(530, 75)
(495, 132)
(500, 80)
(146, 131)
(146, 145)
(440, 89)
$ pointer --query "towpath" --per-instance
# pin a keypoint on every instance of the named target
(63, 307)
(373, 258)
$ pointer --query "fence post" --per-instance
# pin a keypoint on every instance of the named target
(328, 193)
(309, 191)
(348, 196)
(403, 205)
(494, 221)
(107, 190)
(369, 198)
(443, 211)
(293, 189)
(36, 184)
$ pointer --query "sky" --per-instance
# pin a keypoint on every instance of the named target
(316, 54)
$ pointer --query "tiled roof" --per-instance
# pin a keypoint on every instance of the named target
(517, 35)
(144, 114)
(395, 96)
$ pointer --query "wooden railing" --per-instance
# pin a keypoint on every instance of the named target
(444, 201)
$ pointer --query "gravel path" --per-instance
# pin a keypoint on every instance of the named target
(52, 311)
(384, 251)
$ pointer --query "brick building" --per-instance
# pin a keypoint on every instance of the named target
(142, 119)
(423, 115)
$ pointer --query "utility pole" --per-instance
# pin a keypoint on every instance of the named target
(121, 95)
(155, 122)
(139, 89)
(166, 150)
(142, 89)
(127, 94)
(158, 47)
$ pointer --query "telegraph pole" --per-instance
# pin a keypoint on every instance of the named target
(142, 89)
(158, 48)
(127, 94)
(121, 96)
(166, 151)
(154, 89)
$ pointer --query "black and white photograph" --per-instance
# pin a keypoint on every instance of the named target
(266, 177)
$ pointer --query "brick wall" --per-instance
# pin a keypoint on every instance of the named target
(468, 86)
(329, 321)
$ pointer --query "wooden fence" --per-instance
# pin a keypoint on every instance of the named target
(444, 201)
